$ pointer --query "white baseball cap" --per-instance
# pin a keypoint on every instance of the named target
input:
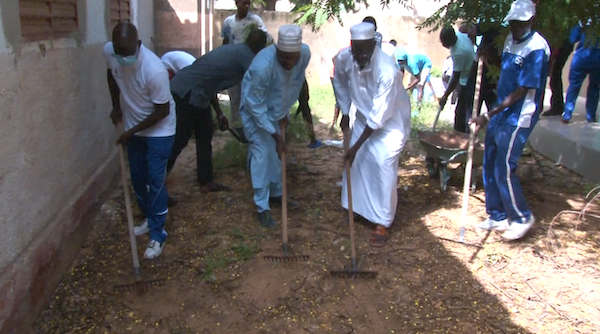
(521, 10)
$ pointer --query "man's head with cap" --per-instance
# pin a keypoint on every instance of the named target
(362, 42)
(401, 55)
(289, 45)
(520, 18)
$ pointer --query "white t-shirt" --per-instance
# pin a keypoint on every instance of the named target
(237, 30)
(142, 85)
(177, 60)
(388, 48)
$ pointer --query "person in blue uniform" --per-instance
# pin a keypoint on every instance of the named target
(520, 88)
(586, 62)
(270, 87)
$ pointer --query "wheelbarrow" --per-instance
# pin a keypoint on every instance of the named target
(447, 147)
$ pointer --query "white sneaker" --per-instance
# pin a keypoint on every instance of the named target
(517, 231)
(154, 249)
(141, 229)
(490, 224)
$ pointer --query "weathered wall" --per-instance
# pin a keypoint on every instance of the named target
(57, 155)
(180, 25)
(332, 37)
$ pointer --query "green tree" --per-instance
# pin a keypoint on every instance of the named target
(554, 18)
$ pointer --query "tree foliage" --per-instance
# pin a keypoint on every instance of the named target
(554, 18)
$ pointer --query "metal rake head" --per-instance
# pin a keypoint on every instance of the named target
(353, 274)
(286, 258)
(141, 286)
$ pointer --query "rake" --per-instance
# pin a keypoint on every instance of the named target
(469, 167)
(140, 284)
(352, 272)
(287, 256)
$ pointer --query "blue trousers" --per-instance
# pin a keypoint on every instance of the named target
(263, 162)
(148, 157)
(503, 193)
(580, 68)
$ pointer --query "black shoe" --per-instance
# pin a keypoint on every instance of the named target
(290, 204)
(266, 219)
(552, 112)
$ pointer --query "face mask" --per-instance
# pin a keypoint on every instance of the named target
(127, 61)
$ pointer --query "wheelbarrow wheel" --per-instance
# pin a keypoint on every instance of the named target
(431, 168)
(444, 176)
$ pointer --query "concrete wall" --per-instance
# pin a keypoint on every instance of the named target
(333, 36)
(183, 25)
(57, 155)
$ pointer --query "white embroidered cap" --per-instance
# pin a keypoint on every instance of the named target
(289, 38)
(362, 31)
(521, 10)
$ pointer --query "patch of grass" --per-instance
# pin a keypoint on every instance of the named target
(436, 72)
(423, 116)
(322, 101)
(233, 155)
(215, 263)
(245, 251)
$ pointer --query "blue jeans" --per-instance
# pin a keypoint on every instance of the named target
(148, 157)
(504, 196)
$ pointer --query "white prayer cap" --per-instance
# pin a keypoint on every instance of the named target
(289, 38)
(521, 10)
(362, 31)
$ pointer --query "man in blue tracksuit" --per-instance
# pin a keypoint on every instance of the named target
(586, 61)
(520, 87)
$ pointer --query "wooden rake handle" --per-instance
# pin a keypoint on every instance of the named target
(134, 251)
(284, 211)
(469, 167)
(349, 190)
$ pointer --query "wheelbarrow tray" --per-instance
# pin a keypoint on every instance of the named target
(449, 147)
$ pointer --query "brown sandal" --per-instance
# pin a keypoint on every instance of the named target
(379, 237)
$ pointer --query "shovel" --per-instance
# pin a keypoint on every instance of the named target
(286, 256)
(140, 284)
(353, 271)
(238, 136)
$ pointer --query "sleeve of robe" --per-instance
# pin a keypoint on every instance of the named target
(341, 82)
(258, 78)
(384, 101)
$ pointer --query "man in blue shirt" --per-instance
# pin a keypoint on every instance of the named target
(270, 87)
(586, 61)
(419, 65)
(520, 89)
(195, 89)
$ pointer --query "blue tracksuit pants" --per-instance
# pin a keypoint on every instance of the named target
(504, 197)
(582, 66)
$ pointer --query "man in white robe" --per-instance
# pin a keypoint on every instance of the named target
(270, 87)
(369, 79)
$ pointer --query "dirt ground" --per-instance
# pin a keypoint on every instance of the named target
(218, 282)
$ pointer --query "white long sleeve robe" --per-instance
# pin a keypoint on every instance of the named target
(383, 105)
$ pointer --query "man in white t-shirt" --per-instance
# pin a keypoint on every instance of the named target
(463, 60)
(175, 61)
(235, 31)
(141, 98)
